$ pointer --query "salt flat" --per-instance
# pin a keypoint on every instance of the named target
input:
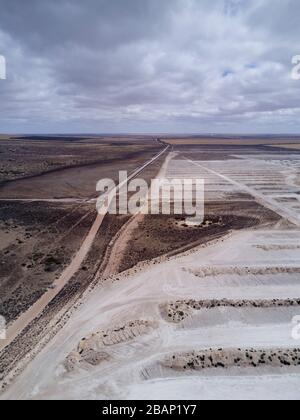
(256, 269)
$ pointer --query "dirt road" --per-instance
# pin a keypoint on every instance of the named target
(27, 317)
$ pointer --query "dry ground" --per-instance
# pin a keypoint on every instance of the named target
(156, 236)
(40, 239)
(213, 322)
(294, 146)
(226, 141)
(40, 233)
(68, 168)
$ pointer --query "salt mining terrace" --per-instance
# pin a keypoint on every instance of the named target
(273, 183)
(140, 351)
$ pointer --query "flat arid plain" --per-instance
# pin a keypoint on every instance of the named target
(149, 306)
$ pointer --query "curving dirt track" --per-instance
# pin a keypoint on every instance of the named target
(213, 323)
(26, 318)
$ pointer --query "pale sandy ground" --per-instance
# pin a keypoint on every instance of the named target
(134, 370)
(258, 264)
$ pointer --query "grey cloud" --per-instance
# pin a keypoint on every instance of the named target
(149, 65)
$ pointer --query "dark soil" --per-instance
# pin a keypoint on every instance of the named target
(159, 235)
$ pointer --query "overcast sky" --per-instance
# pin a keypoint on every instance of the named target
(186, 66)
